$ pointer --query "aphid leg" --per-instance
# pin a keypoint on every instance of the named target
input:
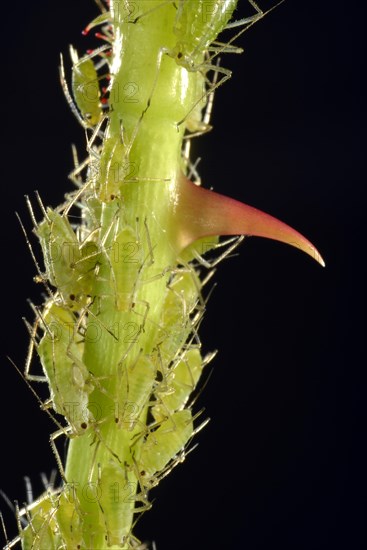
(3, 522)
(247, 20)
(233, 243)
(101, 6)
(192, 173)
(64, 431)
(30, 354)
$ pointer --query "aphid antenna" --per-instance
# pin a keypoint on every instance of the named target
(233, 243)
(12, 507)
(41, 276)
(100, 5)
(61, 428)
(49, 484)
(69, 99)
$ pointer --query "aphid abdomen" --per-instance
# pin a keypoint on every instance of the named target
(163, 444)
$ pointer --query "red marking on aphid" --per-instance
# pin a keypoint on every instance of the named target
(203, 213)
(102, 36)
(86, 31)
(104, 100)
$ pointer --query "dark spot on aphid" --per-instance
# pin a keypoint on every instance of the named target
(112, 197)
(143, 473)
(84, 425)
(159, 376)
(72, 297)
(116, 420)
(179, 55)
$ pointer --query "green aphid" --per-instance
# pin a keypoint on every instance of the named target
(126, 262)
(163, 444)
(41, 531)
(61, 358)
(197, 26)
(182, 298)
(69, 264)
(117, 499)
(134, 388)
(69, 520)
(182, 380)
(85, 87)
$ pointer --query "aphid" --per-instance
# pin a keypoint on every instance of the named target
(197, 26)
(182, 297)
(117, 498)
(133, 390)
(85, 87)
(164, 443)
(182, 380)
(69, 264)
(126, 261)
(69, 519)
(41, 531)
(61, 358)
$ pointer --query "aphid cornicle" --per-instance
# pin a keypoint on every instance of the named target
(61, 358)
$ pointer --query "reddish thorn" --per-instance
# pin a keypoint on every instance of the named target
(203, 213)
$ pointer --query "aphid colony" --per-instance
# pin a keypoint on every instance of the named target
(122, 260)
(108, 262)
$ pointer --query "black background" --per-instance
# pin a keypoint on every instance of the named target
(282, 463)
